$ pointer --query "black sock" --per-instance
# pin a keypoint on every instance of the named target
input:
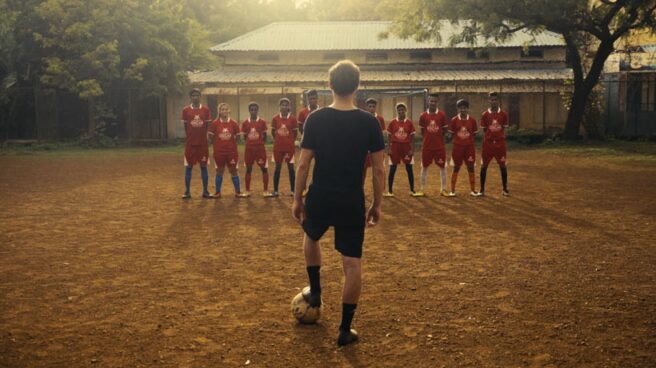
(348, 311)
(411, 176)
(315, 279)
(276, 178)
(504, 178)
(292, 176)
(483, 175)
(390, 178)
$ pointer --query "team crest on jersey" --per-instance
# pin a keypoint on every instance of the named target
(283, 131)
(401, 133)
(197, 122)
(495, 126)
(225, 135)
(253, 135)
(463, 133)
(432, 127)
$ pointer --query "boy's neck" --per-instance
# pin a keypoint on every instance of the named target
(343, 102)
(463, 116)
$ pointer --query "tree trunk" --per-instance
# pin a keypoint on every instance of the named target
(583, 90)
(92, 118)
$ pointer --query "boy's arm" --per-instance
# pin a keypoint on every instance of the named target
(378, 169)
(298, 208)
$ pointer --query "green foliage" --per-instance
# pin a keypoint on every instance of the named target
(96, 45)
(589, 30)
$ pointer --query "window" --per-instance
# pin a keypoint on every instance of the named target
(478, 54)
(421, 55)
(532, 52)
(376, 56)
(268, 57)
(334, 56)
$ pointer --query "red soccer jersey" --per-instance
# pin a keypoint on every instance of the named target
(381, 120)
(303, 114)
(401, 131)
(195, 121)
(463, 130)
(225, 135)
(494, 124)
(254, 131)
(433, 126)
(285, 132)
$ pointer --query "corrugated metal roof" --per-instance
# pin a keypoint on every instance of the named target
(321, 36)
(292, 76)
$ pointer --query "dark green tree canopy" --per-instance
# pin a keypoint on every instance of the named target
(589, 30)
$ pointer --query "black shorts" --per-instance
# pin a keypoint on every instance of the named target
(344, 211)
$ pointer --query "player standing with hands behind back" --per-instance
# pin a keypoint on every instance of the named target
(196, 118)
(338, 138)
(494, 122)
(464, 129)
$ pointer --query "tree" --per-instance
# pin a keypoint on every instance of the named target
(343, 10)
(594, 26)
(98, 49)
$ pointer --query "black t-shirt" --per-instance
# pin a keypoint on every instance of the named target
(340, 141)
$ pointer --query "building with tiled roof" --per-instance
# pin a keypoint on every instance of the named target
(285, 59)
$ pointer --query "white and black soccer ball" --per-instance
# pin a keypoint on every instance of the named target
(303, 312)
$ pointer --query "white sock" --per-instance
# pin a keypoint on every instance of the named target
(442, 179)
(422, 180)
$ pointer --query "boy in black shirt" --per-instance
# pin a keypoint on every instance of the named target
(338, 138)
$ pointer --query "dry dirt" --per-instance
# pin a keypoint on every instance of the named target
(102, 265)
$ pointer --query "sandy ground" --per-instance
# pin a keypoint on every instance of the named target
(102, 265)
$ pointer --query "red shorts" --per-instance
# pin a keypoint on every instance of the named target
(401, 152)
(223, 159)
(466, 154)
(254, 154)
(280, 156)
(496, 151)
(434, 155)
(196, 155)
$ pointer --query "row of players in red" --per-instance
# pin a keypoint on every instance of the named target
(222, 133)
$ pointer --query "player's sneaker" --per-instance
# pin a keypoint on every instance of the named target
(475, 194)
(347, 337)
(274, 194)
(207, 195)
(417, 194)
(450, 194)
(313, 299)
(481, 194)
(445, 193)
(187, 195)
(505, 193)
(245, 194)
(268, 195)
(217, 195)
(388, 194)
(291, 194)
(241, 195)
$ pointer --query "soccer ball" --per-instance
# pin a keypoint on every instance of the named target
(303, 312)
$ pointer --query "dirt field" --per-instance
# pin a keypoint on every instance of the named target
(102, 265)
